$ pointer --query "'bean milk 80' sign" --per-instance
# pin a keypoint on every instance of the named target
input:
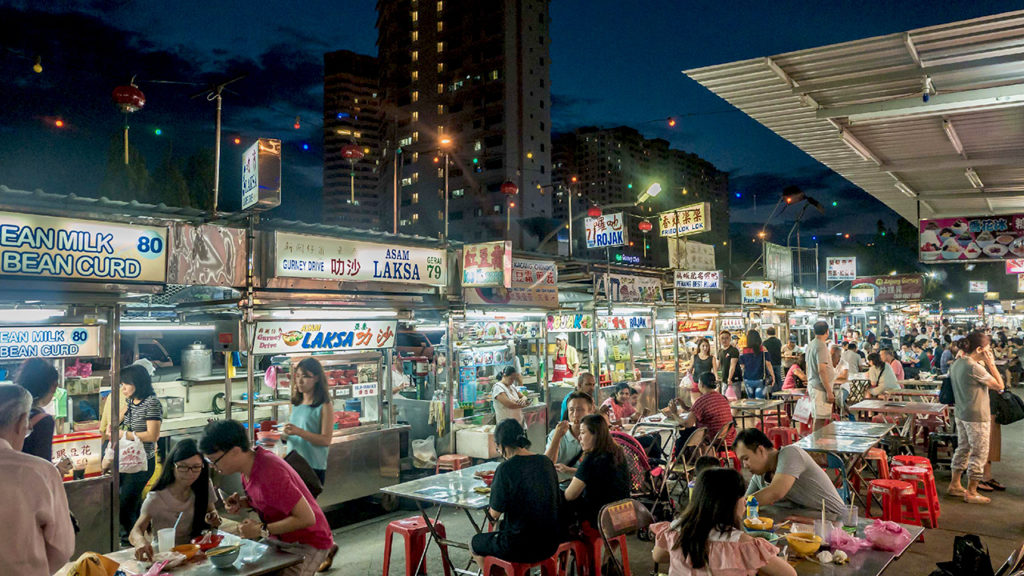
(49, 342)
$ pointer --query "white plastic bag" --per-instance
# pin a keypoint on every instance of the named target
(133, 455)
(424, 455)
(686, 382)
(802, 411)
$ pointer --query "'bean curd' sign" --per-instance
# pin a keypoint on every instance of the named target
(49, 342)
(322, 258)
(287, 337)
(51, 247)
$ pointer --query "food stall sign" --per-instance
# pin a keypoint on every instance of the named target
(840, 269)
(570, 322)
(758, 292)
(286, 337)
(623, 322)
(623, 288)
(606, 230)
(978, 238)
(487, 264)
(364, 389)
(686, 220)
(864, 296)
(21, 342)
(534, 283)
(261, 175)
(52, 247)
(1015, 266)
(699, 279)
(324, 258)
(892, 288)
(691, 326)
(731, 323)
(977, 286)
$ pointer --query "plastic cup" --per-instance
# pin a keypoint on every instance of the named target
(165, 538)
(821, 529)
(851, 517)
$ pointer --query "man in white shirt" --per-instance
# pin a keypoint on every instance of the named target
(36, 529)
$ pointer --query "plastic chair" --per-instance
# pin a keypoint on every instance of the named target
(575, 550)
(881, 460)
(452, 462)
(720, 447)
(781, 436)
(615, 521)
(594, 545)
(414, 531)
(838, 467)
(685, 465)
(547, 567)
(924, 487)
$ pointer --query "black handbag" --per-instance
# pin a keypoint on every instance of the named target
(946, 392)
(305, 472)
(1006, 407)
(970, 558)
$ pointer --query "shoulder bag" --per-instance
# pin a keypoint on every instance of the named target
(1006, 407)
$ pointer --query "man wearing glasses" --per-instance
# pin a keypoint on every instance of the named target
(288, 512)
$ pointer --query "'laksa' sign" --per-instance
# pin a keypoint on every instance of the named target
(289, 337)
(321, 258)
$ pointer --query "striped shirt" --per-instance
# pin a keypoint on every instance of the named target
(713, 412)
(138, 415)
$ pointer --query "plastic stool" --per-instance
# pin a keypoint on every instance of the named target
(924, 487)
(452, 462)
(547, 567)
(907, 460)
(781, 436)
(899, 501)
(578, 550)
(879, 456)
(595, 544)
(414, 531)
(729, 457)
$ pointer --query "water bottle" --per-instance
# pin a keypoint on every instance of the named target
(752, 509)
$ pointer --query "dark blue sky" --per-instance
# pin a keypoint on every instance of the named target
(612, 63)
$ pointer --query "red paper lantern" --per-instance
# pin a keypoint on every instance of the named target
(128, 98)
(594, 211)
(509, 188)
(645, 226)
(352, 152)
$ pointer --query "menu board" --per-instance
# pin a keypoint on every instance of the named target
(622, 288)
(981, 238)
(17, 343)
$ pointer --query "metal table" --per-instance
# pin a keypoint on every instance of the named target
(755, 406)
(850, 442)
(907, 409)
(867, 561)
(452, 489)
(254, 559)
(790, 397)
(848, 428)
(912, 393)
(919, 383)
(660, 427)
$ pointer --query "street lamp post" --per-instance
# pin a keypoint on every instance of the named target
(571, 192)
(446, 144)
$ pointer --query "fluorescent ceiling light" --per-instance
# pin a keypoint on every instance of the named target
(973, 178)
(954, 138)
(477, 315)
(905, 189)
(158, 327)
(429, 327)
(858, 147)
(329, 314)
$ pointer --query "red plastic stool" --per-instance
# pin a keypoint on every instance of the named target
(729, 457)
(578, 550)
(595, 544)
(881, 460)
(547, 567)
(899, 501)
(452, 462)
(907, 460)
(782, 436)
(414, 531)
(924, 487)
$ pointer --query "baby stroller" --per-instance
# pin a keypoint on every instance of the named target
(648, 483)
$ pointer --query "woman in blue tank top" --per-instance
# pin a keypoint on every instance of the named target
(311, 425)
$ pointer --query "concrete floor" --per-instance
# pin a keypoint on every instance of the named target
(1000, 525)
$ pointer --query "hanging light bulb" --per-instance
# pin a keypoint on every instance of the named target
(37, 67)
(298, 124)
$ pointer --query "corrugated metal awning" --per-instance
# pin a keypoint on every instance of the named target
(860, 108)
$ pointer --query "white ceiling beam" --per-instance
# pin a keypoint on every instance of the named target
(952, 162)
(972, 195)
(915, 107)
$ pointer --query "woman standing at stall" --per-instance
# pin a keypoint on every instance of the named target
(39, 377)
(507, 399)
(141, 421)
(703, 361)
(758, 374)
(310, 427)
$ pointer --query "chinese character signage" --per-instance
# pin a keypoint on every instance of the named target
(50, 247)
(863, 296)
(758, 292)
(732, 323)
(977, 286)
(895, 288)
(289, 337)
(49, 342)
(686, 220)
(1015, 266)
(323, 258)
(606, 230)
(699, 279)
(982, 238)
(261, 175)
(534, 283)
(621, 288)
(840, 269)
(487, 264)
(570, 322)
(690, 326)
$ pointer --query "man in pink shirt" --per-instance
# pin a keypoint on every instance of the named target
(36, 531)
(891, 360)
(288, 512)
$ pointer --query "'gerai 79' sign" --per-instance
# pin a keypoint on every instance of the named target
(605, 231)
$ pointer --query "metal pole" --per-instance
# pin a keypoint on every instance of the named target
(250, 325)
(352, 181)
(394, 216)
(446, 196)
(216, 160)
(570, 221)
(115, 412)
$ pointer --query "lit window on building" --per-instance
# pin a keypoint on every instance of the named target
(477, 146)
(405, 141)
(415, 16)
(493, 75)
(415, 95)
(440, 47)
(415, 176)
(415, 198)
(415, 136)
(415, 116)
(440, 66)
(415, 156)
(415, 217)
(440, 26)
(440, 109)
(440, 5)
(440, 214)
(440, 88)
(415, 75)
(415, 35)
(406, 181)
(415, 55)
(458, 193)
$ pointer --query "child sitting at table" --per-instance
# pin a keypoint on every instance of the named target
(708, 538)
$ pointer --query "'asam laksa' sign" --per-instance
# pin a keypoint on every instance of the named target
(322, 258)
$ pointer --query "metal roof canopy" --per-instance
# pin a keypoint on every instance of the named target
(859, 108)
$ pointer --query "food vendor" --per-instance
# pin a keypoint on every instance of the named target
(567, 359)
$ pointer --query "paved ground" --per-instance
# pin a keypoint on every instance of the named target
(1000, 524)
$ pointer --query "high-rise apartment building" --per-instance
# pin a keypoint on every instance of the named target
(613, 167)
(353, 118)
(468, 80)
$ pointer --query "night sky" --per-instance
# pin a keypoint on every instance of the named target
(611, 64)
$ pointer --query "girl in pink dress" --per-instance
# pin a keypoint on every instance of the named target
(707, 538)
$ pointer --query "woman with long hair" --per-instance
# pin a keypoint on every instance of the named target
(796, 376)
(881, 378)
(602, 476)
(758, 374)
(708, 538)
(141, 420)
(40, 378)
(310, 427)
(525, 492)
(183, 488)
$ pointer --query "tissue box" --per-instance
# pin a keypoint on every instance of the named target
(477, 442)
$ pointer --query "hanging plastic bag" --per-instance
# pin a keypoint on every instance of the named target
(887, 536)
(802, 411)
(424, 455)
(132, 455)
